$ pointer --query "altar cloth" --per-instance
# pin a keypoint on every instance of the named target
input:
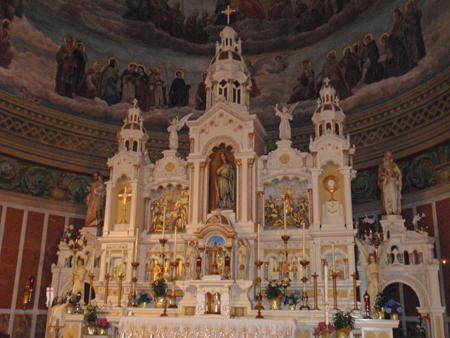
(204, 327)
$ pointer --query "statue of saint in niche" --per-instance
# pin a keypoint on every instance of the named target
(223, 179)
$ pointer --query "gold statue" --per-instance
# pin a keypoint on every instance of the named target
(124, 198)
(181, 213)
(272, 213)
(157, 215)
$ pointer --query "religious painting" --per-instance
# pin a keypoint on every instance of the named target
(286, 199)
(169, 207)
(222, 179)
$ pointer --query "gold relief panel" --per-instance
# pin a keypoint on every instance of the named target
(238, 312)
(285, 158)
(169, 166)
(188, 311)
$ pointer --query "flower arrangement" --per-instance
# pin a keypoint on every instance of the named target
(291, 298)
(392, 307)
(91, 314)
(74, 239)
(273, 290)
(380, 301)
(322, 327)
(143, 297)
(342, 320)
(159, 288)
(103, 323)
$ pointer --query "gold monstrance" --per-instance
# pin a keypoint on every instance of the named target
(331, 184)
(124, 196)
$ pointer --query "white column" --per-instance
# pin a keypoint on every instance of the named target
(107, 226)
(315, 202)
(348, 197)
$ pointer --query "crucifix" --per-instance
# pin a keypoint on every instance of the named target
(228, 12)
(124, 196)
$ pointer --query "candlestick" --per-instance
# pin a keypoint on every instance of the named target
(90, 287)
(109, 261)
(334, 260)
(93, 262)
(259, 243)
(136, 244)
(123, 263)
(354, 275)
(327, 319)
(175, 246)
(106, 289)
(334, 275)
(314, 276)
(119, 299)
(164, 221)
(314, 258)
(304, 241)
(285, 223)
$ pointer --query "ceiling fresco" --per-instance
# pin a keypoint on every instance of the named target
(91, 58)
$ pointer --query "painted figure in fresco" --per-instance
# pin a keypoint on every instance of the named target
(109, 91)
(200, 97)
(224, 184)
(175, 126)
(373, 71)
(254, 90)
(179, 91)
(332, 70)
(279, 66)
(181, 213)
(350, 62)
(191, 27)
(252, 9)
(157, 88)
(373, 265)
(91, 80)
(95, 201)
(304, 90)
(285, 115)
(413, 32)
(278, 8)
(57, 317)
(6, 53)
(78, 277)
(142, 92)
(390, 183)
(243, 258)
(80, 59)
(65, 71)
(191, 258)
(178, 29)
(128, 83)
(202, 23)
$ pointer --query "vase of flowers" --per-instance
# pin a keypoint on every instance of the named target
(90, 319)
(393, 309)
(143, 299)
(102, 326)
(273, 295)
(324, 330)
(291, 299)
(343, 323)
(378, 306)
(159, 289)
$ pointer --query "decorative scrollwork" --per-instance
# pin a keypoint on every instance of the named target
(363, 188)
(38, 180)
(9, 172)
(420, 173)
(77, 188)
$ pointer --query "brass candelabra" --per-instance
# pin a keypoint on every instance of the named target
(163, 242)
(305, 305)
(285, 283)
(107, 276)
(314, 277)
(355, 301)
(133, 287)
(173, 296)
(259, 305)
(334, 276)
(119, 300)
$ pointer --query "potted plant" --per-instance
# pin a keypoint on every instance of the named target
(159, 289)
(102, 326)
(143, 299)
(291, 299)
(273, 295)
(343, 323)
(324, 331)
(393, 309)
(90, 319)
(380, 301)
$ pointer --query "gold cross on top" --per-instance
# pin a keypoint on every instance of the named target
(228, 12)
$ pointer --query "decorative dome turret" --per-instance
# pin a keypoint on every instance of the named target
(133, 136)
(328, 117)
(228, 78)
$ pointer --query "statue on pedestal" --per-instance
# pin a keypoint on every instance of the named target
(285, 115)
(390, 183)
(191, 258)
(95, 201)
(78, 277)
(175, 126)
(243, 254)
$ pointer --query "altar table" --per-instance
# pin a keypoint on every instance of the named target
(203, 327)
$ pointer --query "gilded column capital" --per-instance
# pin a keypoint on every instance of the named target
(250, 162)
(192, 165)
(239, 162)
(202, 165)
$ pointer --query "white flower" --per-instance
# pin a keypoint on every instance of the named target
(369, 220)
(417, 218)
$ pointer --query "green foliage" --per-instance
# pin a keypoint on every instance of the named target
(159, 288)
(273, 290)
(343, 319)
(91, 314)
(380, 300)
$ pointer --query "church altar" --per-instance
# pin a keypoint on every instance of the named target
(210, 327)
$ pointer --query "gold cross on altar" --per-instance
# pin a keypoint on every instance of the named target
(228, 12)
(124, 196)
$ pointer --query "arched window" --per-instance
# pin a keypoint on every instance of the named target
(135, 145)
(223, 90)
(236, 92)
(336, 128)
(127, 144)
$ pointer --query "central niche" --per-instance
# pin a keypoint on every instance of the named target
(222, 179)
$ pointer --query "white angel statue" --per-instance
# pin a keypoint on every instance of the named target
(373, 265)
(175, 126)
(285, 115)
(76, 282)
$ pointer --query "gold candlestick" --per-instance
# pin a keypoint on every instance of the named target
(355, 275)
(259, 305)
(305, 305)
(173, 297)
(106, 289)
(90, 288)
(334, 275)
(133, 288)
(119, 301)
(284, 267)
(314, 276)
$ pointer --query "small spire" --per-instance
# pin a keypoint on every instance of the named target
(228, 12)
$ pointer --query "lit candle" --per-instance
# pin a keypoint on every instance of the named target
(327, 320)
(175, 247)
(313, 263)
(304, 241)
(93, 263)
(334, 260)
(123, 263)
(285, 223)
(136, 244)
(259, 242)
(164, 221)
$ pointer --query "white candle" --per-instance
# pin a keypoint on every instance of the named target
(175, 247)
(136, 244)
(285, 223)
(327, 320)
(164, 221)
(304, 241)
(334, 260)
(123, 263)
(93, 263)
(313, 263)
(109, 261)
(258, 249)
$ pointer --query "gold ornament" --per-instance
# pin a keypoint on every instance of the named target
(331, 184)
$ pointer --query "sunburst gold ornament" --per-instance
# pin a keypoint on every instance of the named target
(331, 184)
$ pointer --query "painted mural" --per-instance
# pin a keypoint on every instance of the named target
(93, 58)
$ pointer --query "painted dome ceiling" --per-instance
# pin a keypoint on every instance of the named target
(289, 47)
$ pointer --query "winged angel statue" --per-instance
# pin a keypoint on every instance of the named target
(175, 126)
(285, 115)
(373, 265)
